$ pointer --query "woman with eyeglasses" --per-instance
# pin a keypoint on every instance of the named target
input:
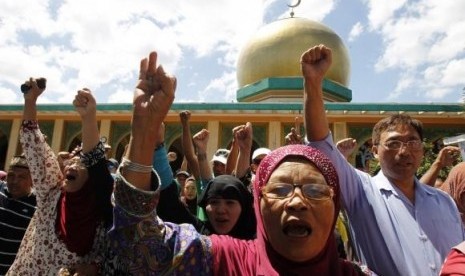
(296, 202)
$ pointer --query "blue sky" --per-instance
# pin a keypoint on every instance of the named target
(400, 51)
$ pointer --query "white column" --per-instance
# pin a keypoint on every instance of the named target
(274, 135)
(57, 135)
(339, 131)
(213, 143)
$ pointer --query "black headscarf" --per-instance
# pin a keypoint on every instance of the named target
(229, 187)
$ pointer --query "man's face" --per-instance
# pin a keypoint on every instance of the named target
(400, 165)
(19, 182)
(218, 168)
(297, 227)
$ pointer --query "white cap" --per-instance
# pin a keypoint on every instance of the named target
(260, 152)
(221, 155)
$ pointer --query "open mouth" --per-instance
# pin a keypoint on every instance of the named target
(297, 230)
(71, 175)
(221, 220)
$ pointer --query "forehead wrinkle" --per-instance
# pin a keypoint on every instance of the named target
(400, 131)
(289, 172)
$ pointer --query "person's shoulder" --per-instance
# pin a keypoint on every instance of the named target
(433, 191)
(228, 243)
(454, 263)
(438, 194)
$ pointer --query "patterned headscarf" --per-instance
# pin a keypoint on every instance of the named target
(258, 257)
(324, 262)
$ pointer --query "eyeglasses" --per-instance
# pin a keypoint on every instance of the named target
(286, 190)
(396, 144)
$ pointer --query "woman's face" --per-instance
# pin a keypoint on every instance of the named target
(297, 227)
(223, 214)
(75, 174)
(190, 191)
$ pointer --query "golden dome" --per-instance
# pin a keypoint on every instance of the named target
(276, 49)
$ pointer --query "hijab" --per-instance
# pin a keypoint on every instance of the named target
(454, 185)
(262, 259)
(230, 187)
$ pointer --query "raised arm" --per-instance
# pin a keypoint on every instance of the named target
(445, 158)
(187, 145)
(42, 161)
(201, 140)
(160, 159)
(346, 146)
(85, 105)
(294, 137)
(243, 135)
(314, 64)
(153, 97)
(30, 100)
(231, 161)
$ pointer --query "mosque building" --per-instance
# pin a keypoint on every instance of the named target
(270, 97)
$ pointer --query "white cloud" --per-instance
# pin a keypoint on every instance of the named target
(424, 37)
(122, 95)
(312, 9)
(97, 43)
(355, 32)
(9, 96)
(222, 89)
(454, 73)
(381, 11)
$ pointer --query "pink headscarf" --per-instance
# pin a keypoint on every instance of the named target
(257, 257)
(454, 185)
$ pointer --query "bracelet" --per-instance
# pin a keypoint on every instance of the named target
(135, 167)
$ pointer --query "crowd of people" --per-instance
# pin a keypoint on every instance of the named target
(300, 209)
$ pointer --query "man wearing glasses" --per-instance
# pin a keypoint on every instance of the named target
(399, 225)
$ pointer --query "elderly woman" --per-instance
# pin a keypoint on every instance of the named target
(296, 204)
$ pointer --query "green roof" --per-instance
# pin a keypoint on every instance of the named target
(414, 107)
(291, 83)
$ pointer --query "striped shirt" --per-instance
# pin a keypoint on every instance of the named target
(15, 215)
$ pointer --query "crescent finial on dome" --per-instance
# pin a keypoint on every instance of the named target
(292, 6)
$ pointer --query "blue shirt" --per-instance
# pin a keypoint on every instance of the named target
(391, 235)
